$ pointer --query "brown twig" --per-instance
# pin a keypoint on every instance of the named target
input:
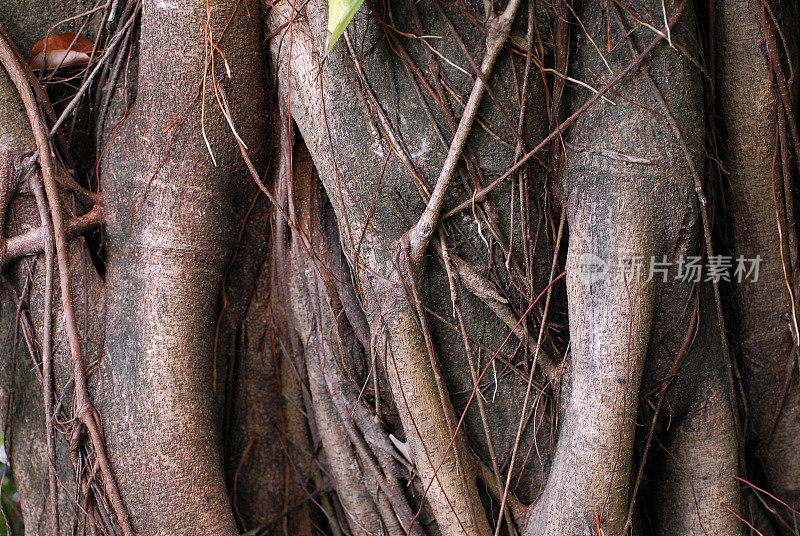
(85, 86)
(474, 392)
(30, 243)
(535, 357)
(473, 371)
(484, 290)
(420, 234)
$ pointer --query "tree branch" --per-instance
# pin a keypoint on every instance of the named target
(496, 36)
(30, 243)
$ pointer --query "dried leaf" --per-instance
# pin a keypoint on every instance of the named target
(65, 50)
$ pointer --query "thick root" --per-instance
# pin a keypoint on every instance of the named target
(766, 317)
(175, 205)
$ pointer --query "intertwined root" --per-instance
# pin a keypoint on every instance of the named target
(315, 327)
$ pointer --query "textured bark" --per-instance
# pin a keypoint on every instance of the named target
(268, 452)
(763, 308)
(361, 460)
(319, 352)
(367, 177)
(697, 466)
(264, 422)
(171, 226)
(628, 198)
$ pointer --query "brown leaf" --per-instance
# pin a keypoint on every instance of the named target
(65, 50)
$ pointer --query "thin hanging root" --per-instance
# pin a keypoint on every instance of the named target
(454, 437)
(687, 342)
(785, 118)
(783, 92)
(486, 291)
(588, 35)
(474, 373)
(372, 465)
(87, 83)
(47, 348)
(781, 247)
(85, 411)
(522, 419)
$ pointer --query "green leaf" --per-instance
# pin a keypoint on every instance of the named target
(340, 13)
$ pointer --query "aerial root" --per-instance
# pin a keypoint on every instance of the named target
(21, 76)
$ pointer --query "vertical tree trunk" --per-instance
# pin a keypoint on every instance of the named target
(173, 212)
(752, 157)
